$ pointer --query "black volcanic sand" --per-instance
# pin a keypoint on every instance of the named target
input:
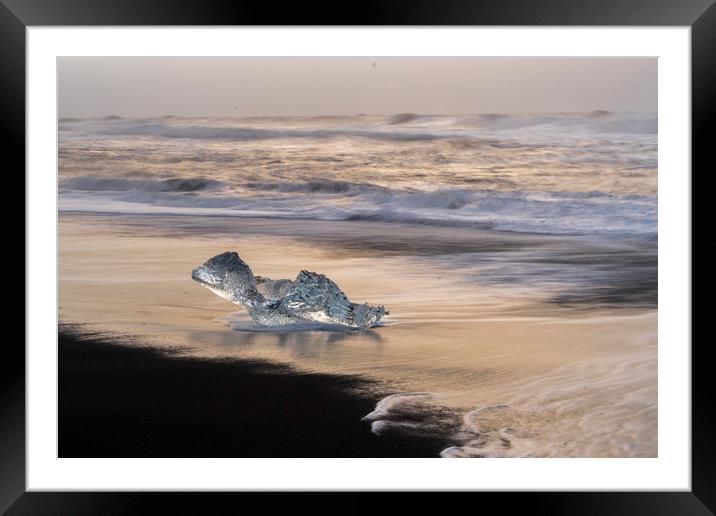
(123, 400)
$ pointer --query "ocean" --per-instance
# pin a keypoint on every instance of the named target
(591, 173)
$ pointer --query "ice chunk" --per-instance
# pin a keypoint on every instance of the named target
(310, 297)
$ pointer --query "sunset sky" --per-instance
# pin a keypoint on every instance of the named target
(275, 86)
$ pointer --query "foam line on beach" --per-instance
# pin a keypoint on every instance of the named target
(383, 407)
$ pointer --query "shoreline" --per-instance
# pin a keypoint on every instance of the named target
(118, 398)
(477, 329)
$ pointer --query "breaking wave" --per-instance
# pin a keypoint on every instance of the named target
(400, 127)
(166, 130)
(119, 184)
(315, 186)
(517, 211)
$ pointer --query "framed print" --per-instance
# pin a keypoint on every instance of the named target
(274, 252)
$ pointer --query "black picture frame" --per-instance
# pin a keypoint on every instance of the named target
(16, 15)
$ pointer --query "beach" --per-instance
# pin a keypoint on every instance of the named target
(467, 364)
(516, 254)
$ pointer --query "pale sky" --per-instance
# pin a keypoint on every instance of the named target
(275, 86)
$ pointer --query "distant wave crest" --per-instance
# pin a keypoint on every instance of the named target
(412, 127)
(313, 186)
(120, 184)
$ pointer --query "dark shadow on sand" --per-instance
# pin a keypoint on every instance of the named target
(118, 399)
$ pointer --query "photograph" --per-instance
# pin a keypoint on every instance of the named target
(369, 257)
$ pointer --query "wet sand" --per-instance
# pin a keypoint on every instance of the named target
(528, 376)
